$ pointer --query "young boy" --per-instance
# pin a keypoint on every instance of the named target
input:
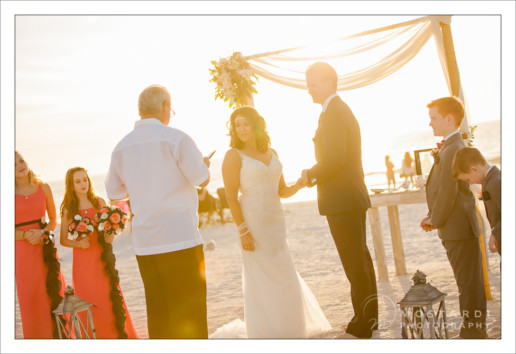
(469, 165)
(452, 211)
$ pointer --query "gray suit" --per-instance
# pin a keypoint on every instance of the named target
(451, 206)
(492, 197)
(450, 202)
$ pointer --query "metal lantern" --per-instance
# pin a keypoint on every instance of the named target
(72, 305)
(419, 320)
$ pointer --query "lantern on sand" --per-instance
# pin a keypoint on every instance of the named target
(72, 305)
(419, 320)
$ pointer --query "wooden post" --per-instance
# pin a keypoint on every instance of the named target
(247, 100)
(379, 252)
(397, 243)
(451, 60)
(487, 286)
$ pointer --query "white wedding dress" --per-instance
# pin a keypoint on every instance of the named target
(277, 301)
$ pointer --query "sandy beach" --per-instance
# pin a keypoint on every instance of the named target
(317, 261)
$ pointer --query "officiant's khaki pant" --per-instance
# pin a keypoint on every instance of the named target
(175, 293)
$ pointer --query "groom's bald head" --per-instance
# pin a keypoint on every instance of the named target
(324, 71)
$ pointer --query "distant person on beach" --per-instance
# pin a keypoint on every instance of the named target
(470, 165)
(158, 169)
(207, 205)
(407, 168)
(452, 211)
(342, 195)
(277, 302)
(390, 172)
(95, 277)
(40, 283)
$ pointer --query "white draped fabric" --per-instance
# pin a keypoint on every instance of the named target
(361, 59)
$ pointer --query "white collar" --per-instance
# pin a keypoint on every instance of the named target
(455, 132)
(325, 104)
(489, 169)
(147, 121)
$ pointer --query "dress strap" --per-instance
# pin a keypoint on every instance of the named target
(239, 153)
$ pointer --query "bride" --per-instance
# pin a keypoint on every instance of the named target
(277, 301)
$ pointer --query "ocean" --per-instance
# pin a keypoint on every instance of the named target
(486, 138)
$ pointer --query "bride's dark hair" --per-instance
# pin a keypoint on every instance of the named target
(263, 141)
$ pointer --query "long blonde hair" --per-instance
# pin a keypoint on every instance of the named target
(70, 200)
(33, 178)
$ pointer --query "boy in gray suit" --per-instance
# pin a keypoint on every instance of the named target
(452, 211)
(469, 165)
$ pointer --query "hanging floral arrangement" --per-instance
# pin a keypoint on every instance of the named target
(234, 79)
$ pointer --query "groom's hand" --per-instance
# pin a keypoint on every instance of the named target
(304, 177)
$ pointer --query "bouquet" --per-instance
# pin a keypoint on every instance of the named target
(79, 228)
(110, 220)
(47, 237)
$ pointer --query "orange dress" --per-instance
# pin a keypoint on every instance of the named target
(31, 270)
(92, 284)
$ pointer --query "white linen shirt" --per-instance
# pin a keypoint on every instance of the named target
(158, 167)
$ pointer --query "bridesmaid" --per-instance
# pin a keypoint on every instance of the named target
(39, 281)
(95, 278)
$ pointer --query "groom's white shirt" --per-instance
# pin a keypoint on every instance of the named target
(448, 137)
(327, 102)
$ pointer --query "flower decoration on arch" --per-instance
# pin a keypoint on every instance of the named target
(469, 136)
(234, 79)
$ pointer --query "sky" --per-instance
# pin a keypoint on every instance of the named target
(70, 84)
(78, 79)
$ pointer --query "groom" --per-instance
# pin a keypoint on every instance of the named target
(342, 194)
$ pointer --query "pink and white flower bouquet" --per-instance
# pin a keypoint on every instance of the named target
(80, 227)
(110, 220)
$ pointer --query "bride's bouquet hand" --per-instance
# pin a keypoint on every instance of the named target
(247, 242)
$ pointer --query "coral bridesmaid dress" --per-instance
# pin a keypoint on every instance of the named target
(92, 284)
(31, 270)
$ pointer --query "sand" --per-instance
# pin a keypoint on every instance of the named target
(316, 259)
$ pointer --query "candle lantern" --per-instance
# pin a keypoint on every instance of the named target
(419, 319)
(72, 305)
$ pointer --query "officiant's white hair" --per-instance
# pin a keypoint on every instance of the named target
(152, 98)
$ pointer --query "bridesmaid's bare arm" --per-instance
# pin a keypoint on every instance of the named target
(51, 208)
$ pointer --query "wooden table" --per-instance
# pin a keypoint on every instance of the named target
(391, 200)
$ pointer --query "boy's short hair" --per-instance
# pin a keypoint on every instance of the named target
(449, 105)
(464, 159)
